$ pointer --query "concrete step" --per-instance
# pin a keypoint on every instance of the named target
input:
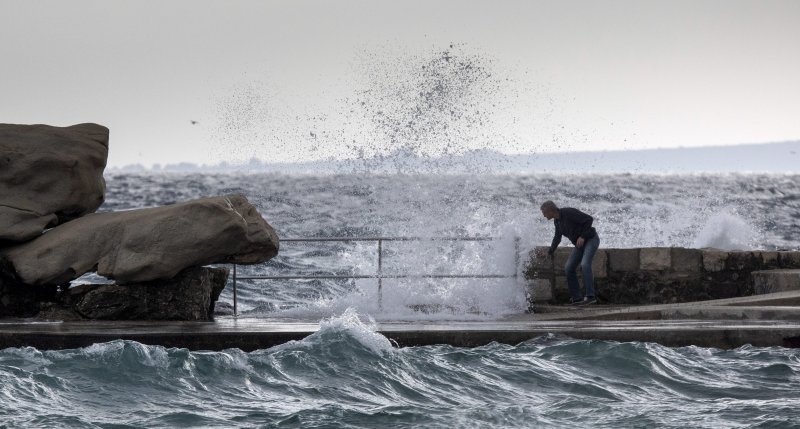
(769, 281)
(737, 308)
(733, 313)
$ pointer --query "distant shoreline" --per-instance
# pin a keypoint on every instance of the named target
(769, 158)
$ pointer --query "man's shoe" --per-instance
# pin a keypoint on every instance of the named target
(575, 301)
(588, 300)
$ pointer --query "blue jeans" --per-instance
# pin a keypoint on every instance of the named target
(582, 255)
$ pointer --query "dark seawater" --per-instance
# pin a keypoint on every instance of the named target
(346, 375)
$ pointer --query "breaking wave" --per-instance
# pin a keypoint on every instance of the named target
(347, 375)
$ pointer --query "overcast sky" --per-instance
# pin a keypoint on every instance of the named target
(276, 79)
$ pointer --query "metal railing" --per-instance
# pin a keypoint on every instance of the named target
(379, 275)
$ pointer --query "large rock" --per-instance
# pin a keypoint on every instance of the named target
(49, 175)
(147, 244)
(18, 299)
(191, 295)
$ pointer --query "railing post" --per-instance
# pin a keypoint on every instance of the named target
(516, 256)
(380, 275)
(235, 311)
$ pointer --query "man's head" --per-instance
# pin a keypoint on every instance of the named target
(549, 210)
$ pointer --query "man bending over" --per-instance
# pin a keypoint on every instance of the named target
(577, 226)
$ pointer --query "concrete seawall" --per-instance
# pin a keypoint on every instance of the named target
(254, 334)
(658, 275)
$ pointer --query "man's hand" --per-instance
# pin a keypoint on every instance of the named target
(542, 252)
(579, 243)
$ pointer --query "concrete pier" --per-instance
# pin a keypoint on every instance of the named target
(253, 334)
(763, 320)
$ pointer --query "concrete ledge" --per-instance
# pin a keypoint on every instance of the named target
(256, 334)
(733, 313)
(779, 305)
(761, 320)
(711, 313)
(664, 274)
(775, 281)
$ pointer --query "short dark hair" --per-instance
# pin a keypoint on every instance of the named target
(549, 205)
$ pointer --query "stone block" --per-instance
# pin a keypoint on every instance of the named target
(714, 260)
(655, 258)
(560, 284)
(600, 265)
(560, 290)
(561, 257)
(540, 290)
(724, 289)
(789, 259)
(686, 260)
(540, 263)
(623, 260)
(743, 261)
(769, 259)
(769, 281)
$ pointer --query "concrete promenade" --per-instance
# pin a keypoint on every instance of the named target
(253, 334)
(763, 320)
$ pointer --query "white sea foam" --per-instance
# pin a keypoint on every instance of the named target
(417, 298)
(364, 332)
(434, 206)
(728, 231)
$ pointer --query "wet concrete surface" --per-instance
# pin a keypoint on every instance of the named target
(252, 334)
(762, 320)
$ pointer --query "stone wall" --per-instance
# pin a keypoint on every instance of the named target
(657, 275)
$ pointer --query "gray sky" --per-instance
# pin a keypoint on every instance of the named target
(261, 77)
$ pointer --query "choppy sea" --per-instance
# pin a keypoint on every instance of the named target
(347, 375)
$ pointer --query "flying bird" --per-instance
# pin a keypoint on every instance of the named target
(193, 121)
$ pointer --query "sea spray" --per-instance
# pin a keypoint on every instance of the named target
(728, 231)
(629, 211)
(419, 130)
(418, 106)
(428, 211)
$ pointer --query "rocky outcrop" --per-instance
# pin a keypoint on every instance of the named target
(51, 183)
(148, 244)
(660, 275)
(18, 299)
(49, 175)
(191, 295)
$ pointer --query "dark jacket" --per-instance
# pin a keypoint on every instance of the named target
(572, 223)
